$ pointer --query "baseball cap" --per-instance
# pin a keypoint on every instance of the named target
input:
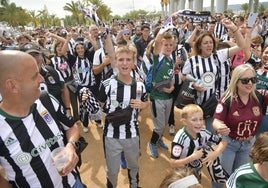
(30, 47)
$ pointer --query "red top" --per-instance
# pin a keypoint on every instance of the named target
(242, 119)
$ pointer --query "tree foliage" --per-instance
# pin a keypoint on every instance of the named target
(14, 15)
(245, 7)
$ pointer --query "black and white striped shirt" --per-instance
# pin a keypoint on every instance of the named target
(25, 148)
(116, 94)
(61, 64)
(198, 66)
(219, 30)
(98, 59)
(82, 70)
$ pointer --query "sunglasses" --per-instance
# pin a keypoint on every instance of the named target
(246, 80)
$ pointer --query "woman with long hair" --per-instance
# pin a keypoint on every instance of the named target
(204, 66)
(238, 116)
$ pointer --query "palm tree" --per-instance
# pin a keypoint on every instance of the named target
(73, 8)
(255, 5)
(34, 18)
(4, 2)
(42, 15)
(245, 7)
(14, 15)
(53, 19)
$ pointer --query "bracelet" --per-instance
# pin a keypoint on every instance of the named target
(236, 30)
(68, 108)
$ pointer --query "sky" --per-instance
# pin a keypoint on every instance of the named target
(120, 7)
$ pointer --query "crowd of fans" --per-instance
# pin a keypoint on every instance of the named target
(76, 61)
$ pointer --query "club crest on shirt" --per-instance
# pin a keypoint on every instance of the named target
(256, 110)
(51, 80)
(176, 151)
(46, 116)
(23, 158)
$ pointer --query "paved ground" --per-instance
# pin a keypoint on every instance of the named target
(152, 171)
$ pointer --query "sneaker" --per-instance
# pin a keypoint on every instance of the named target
(153, 150)
(172, 129)
(85, 129)
(98, 123)
(161, 144)
(123, 161)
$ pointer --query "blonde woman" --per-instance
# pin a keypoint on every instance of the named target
(238, 115)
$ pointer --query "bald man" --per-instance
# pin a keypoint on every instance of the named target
(28, 132)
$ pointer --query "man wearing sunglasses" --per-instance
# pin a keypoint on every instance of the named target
(238, 115)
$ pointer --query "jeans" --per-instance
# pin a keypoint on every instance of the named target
(209, 126)
(235, 154)
(78, 184)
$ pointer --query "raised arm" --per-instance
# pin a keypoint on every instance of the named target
(240, 41)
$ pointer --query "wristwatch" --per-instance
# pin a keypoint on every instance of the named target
(75, 144)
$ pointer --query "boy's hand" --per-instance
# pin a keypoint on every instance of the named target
(211, 156)
(197, 154)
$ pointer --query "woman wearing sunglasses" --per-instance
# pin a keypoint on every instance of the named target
(238, 115)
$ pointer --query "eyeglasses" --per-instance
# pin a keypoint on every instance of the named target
(246, 80)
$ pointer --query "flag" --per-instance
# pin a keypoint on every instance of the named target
(167, 25)
(90, 13)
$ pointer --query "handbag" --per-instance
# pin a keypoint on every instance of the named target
(120, 116)
(187, 95)
(209, 106)
(82, 144)
(162, 84)
(72, 85)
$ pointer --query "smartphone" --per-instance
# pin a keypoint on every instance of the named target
(252, 19)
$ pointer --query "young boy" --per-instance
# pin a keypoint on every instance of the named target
(161, 98)
(121, 134)
(192, 145)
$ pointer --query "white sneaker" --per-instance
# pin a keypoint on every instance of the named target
(85, 129)
(99, 125)
(172, 130)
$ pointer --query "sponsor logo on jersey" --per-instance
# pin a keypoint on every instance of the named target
(219, 108)
(25, 157)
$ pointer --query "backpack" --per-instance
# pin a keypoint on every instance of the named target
(151, 74)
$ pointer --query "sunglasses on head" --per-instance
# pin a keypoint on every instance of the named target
(246, 80)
